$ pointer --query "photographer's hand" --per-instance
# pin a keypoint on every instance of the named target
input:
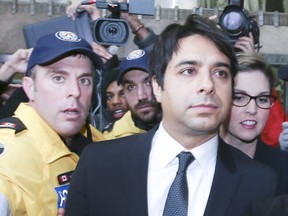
(135, 24)
(17, 63)
(246, 44)
(101, 51)
(72, 10)
(283, 138)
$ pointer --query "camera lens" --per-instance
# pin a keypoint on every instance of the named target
(233, 21)
(111, 31)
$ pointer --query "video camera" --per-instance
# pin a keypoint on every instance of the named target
(236, 22)
(114, 30)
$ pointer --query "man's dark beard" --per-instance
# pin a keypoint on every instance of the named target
(148, 124)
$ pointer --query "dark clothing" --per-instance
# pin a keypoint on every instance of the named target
(12, 103)
(111, 179)
(78, 143)
(276, 206)
(148, 42)
(108, 76)
(104, 121)
(3, 86)
(277, 160)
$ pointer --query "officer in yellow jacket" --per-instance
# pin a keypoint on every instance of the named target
(144, 111)
(41, 143)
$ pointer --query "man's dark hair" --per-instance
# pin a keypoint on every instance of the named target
(168, 43)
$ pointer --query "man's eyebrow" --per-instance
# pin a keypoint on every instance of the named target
(51, 70)
(147, 78)
(186, 62)
(194, 62)
(223, 64)
(87, 74)
(64, 72)
(126, 81)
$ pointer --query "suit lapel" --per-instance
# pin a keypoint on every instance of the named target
(225, 183)
(137, 160)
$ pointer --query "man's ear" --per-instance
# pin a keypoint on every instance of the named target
(157, 90)
(28, 86)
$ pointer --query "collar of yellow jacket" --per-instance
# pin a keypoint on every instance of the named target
(43, 137)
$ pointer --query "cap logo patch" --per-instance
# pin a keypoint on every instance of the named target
(67, 36)
(136, 54)
(2, 149)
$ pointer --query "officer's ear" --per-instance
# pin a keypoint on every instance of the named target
(28, 86)
(157, 90)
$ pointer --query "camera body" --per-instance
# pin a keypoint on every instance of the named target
(114, 30)
(236, 22)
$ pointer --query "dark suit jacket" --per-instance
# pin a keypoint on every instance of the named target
(276, 206)
(277, 160)
(111, 180)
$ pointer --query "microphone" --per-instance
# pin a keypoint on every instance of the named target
(114, 61)
(283, 72)
(88, 2)
(113, 49)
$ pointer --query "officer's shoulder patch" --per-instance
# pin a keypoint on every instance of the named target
(12, 123)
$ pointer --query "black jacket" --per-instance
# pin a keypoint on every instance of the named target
(277, 160)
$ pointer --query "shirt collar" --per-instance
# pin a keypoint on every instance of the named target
(165, 149)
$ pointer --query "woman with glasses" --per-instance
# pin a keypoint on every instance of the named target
(251, 103)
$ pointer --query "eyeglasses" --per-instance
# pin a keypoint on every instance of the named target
(262, 101)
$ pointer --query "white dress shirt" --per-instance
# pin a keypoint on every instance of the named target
(163, 165)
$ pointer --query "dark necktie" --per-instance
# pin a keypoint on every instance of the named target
(177, 199)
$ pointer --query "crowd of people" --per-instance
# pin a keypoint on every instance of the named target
(180, 127)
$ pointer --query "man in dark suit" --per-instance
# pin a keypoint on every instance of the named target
(192, 68)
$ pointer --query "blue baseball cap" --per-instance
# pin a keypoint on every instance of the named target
(58, 45)
(137, 59)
